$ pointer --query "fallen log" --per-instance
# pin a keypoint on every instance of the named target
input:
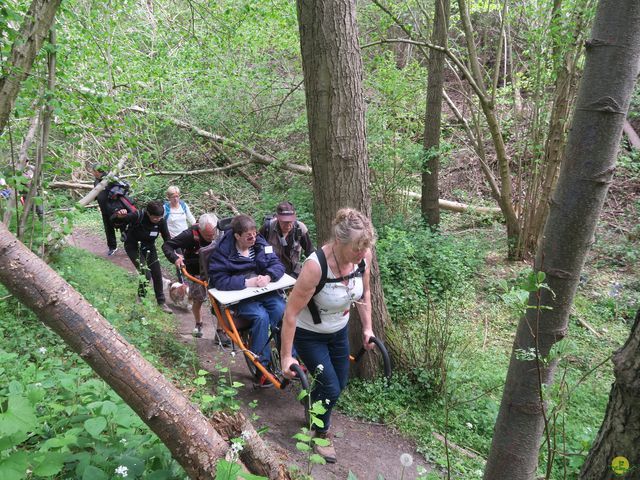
(459, 207)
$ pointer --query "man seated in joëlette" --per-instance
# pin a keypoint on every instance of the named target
(244, 259)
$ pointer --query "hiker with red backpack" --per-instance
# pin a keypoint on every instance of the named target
(183, 251)
(141, 230)
(102, 198)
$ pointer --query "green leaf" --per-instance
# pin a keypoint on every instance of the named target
(19, 417)
(49, 463)
(134, 464)
(352, 476)
(15, 466)
(95, 426)
(541, 277)
(317, 459)
(303, 447)
(94, 473)
(226, 470)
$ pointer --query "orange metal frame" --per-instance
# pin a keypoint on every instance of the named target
(225, 321)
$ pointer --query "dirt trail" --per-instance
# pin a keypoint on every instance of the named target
(366, 449)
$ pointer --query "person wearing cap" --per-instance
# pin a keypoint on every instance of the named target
(102, 198)
(183, 250)
(289, 237)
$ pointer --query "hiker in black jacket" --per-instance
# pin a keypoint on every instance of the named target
(142, 229)
(183, 250)
(109, 230)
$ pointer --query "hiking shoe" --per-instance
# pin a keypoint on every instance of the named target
(165, 308)
(223, 338)
(328, 452)
(197, 332)
(112, 251)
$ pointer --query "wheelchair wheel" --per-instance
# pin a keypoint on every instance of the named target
(383, 353)
(245, 335)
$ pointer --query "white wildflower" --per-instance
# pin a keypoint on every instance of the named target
(406, 460)
(233, 354)
(122, 471)
(320, 368)
(37, 384)
(123, 441)
(469, 425)
(236, 448)
(42, 350)
(246, 435)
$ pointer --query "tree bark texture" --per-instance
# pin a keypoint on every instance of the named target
(332, 67)
(192, 440)
(619, 434)
(433, 116)
(612, 63)
(35, 28)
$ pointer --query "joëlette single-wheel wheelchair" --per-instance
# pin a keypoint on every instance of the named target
(239, 331)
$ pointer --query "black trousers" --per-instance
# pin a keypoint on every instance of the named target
(109, 231)
(145, 258)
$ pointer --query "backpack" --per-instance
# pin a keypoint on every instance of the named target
(167, 209)
(315, 313)
(117, 199)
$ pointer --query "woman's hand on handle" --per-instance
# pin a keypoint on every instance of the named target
(366, 335)
(286, 363)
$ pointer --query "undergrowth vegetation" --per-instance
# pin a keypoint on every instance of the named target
(455, 306)
(67, 422)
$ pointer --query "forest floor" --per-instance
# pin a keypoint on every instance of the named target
(368, 450)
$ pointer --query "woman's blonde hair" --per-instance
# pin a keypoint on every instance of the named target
(351, 226)
(172, 190)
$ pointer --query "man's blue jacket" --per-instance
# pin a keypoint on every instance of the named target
(228, 269)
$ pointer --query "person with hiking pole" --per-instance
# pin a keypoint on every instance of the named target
(142, 229)
(333, 279)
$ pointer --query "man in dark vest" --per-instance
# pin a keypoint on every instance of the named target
(142, 229)
(289, 237)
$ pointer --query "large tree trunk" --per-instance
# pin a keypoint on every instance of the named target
(36, 25)
(335, 111)
(619, 435)
(180, 425)
(433, 116)
(612, 63)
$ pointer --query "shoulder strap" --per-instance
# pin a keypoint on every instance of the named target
(184, 206)
(322, 260)
(196, 235)
(167, 210)
(313, 309)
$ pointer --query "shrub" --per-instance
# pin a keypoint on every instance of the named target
(417, 265)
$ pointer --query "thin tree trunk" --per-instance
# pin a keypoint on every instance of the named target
(37, 23)
(47, 113)
(612, 64)
(22, 161)
(433, 116)
(619, 435)
(506, 196)
(335, 111)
